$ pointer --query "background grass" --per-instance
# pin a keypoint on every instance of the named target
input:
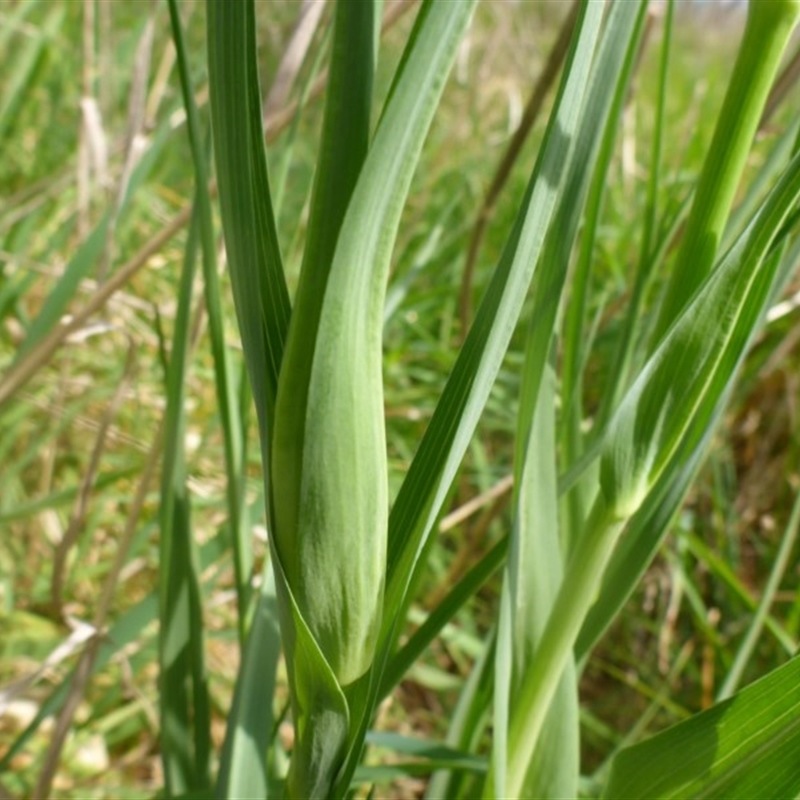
(666, 654)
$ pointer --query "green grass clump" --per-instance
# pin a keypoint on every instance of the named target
(416, 486)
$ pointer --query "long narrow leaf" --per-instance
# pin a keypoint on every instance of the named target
(667, 411)
(25, 65)
(346, 378)
(748, 644)
(609, 83)
(447, 437)
(470, 720)
(185, 710)
(769, 26)
(677, 392)
(745, 747)
(466, 588)
(251, 240)
(243, 765)
(330, 566)
(533, 574)
(225, 390)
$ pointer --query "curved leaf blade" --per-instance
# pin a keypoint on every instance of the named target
(745, 747)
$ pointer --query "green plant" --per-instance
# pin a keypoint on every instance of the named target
(344, 565)
(597, 482)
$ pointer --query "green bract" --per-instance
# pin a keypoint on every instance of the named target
(329, 487)
(332, 548)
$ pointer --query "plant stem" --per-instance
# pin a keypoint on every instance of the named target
(769, 26)
(577, 593)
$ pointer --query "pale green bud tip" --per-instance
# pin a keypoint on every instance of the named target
(629, 467)
(331, 506)
(622, 498)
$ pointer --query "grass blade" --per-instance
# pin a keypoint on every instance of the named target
(531, 582)
(58, 299)
(647, 266)
(251, 239)
(676, 393)
(185, 709)
(445, 442)
(437, 757)
(669, 408)
(766, 35)
(747, 646)
(243, 765)
(223, 380)
(45, 325)
(470, 720)
(723, 571)
(466, 588)
(747, 746)
(26, 64)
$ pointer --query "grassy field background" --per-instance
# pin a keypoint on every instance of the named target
(80, 434)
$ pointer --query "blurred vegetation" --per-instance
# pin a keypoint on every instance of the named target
(77, 437)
